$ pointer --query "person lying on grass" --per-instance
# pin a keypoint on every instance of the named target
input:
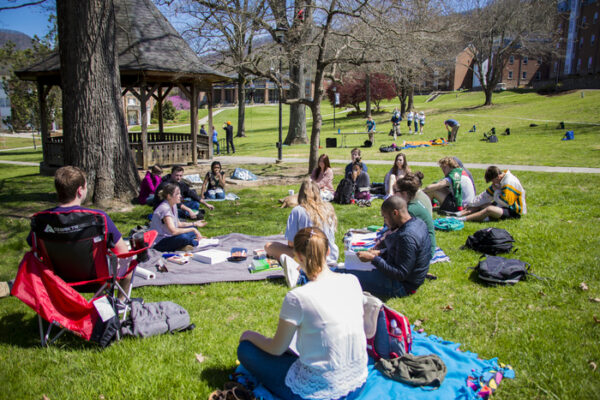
(326, 315)
(173, 234)
(503, 199)
(310, 211)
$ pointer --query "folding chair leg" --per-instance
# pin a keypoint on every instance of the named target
(44, 337)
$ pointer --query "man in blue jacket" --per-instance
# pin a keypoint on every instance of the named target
(401, 259)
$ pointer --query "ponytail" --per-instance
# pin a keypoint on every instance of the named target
(312, 244)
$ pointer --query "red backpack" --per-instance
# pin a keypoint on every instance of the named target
(388, 332)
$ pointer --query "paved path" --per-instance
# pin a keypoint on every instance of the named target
(18, 148)
(26, 163)
(534, 168)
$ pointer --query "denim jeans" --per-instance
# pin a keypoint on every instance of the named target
(271, 370)
(173, 243)
(213, 194)
(377, 283)
(189, 203)
(218, 147)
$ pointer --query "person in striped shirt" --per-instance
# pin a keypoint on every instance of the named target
(503, 199)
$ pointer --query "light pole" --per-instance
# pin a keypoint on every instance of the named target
(334, 90)
(280, 36)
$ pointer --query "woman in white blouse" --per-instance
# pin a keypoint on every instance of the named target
(326, 315)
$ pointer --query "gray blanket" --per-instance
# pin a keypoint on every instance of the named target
(195, 272)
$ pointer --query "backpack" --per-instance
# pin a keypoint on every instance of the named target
(490, 241)
(502, 270)
(344, 191)
(388, 332)
(448, 224)
(149, 319)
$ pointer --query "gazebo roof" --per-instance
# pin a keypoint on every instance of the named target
(149, 49)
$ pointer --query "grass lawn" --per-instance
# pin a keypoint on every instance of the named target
(545, 329)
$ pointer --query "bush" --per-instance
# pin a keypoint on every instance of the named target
(168, 112)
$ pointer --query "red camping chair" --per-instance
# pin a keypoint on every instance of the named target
(70, 254)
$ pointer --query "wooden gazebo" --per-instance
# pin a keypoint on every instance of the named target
(153, 59)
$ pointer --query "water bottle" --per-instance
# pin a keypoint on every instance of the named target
(395, 330)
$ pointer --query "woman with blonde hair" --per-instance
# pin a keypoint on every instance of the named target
(310, 211)
(326, 316)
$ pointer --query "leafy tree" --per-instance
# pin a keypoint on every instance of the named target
(23, 94)
(353, 90)
(169, 111)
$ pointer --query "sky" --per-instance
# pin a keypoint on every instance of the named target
(31, 20)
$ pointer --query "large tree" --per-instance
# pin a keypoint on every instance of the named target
(495, 30)
(95, 134)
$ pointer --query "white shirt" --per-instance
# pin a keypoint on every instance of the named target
(331, 340)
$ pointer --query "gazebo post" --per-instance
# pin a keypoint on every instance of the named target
(42, 93)
(194, 121)
(209, 101)
(144, 121)
(160, 111)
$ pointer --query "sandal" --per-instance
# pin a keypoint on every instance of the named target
(237, 391)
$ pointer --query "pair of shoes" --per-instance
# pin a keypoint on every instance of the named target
(232, 391)
(363, 203)
(290, 270)
(187, 248)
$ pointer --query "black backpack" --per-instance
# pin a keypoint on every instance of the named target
(344, 191)
(490, 241)
(502, 270)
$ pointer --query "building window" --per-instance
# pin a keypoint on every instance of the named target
(511, 60)
(590, 64)
(538, 76)
(595, 17)
(593, 39)
(578, 65)
(581, 42)
(525, 60)
(555, 67)
(510, 76)
(524, 74)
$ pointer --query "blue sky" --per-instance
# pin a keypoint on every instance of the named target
(31, 20)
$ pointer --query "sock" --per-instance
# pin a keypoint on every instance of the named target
(461, 218)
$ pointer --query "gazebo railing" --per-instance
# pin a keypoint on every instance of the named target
(175, 148)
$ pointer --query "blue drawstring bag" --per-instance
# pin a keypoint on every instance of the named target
(448, 224)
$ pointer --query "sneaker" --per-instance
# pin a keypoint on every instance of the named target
(450, 213)
(290, 270)
(4, 289)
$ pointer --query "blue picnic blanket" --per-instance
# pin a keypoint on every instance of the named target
(468, 376)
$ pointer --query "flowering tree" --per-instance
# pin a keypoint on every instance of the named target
(179, 103)
(353, 90)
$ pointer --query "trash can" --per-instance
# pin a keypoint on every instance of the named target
(330, 142)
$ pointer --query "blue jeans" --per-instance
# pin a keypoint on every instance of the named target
(173, 243)
(271, 370)
(213, 194)
(377, 283)
(218, 147)
(191, 204)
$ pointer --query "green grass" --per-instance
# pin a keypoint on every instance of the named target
(544, 329)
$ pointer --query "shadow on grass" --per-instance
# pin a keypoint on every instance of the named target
(22, 330)
(216, 376)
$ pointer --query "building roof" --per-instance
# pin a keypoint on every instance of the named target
(149, 49)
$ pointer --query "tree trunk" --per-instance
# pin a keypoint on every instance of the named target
(411, 92)
(241, 128)
(315, 134)
(368, 91)
(95, 133)
(488, 95)
(297, 123)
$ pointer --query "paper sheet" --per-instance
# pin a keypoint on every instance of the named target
(353, 262)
